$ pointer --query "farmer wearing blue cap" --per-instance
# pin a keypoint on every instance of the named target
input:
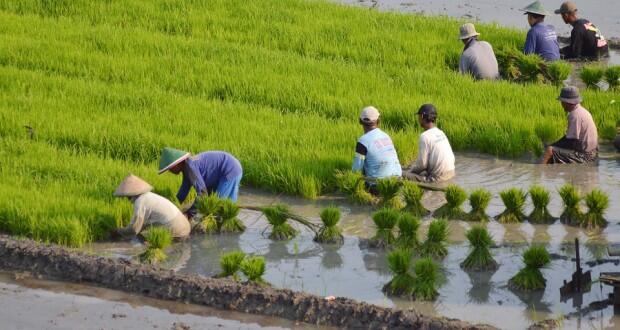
(435, 162)
(541, 38)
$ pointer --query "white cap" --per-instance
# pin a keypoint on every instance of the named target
(369, 114)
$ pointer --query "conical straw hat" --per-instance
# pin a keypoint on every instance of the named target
(132, 186)
(170, 157)
(535, 8)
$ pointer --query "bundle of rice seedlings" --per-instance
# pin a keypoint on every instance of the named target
(412, 195)
(530, 68)
(353, 185)
(388, 189)
(612, 76)
(514, 201)
(426, 275)
(570, 198)
(558, 72)
(408, 231)
(208, 206)
(455, 197)
(385, 219)
(479, 200)
(230, 263)
(591, 75)
(330, 233)
(597, 202)
(277, 217)
(540, 200)
(157, 238)
(435, 245)
(228, 212)
(480, 256)
(401, 284)
(254, 268)
(546, 132)
(530, 277)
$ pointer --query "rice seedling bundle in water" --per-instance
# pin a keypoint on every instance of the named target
(412, 194)
(254, 268)
(385, 219)
(514, 201)
(353, 185)
(230, 263)
(597, 202)
(572, 214)
(277, 217)
(388, 190)
(452, 210)
(435, 244)
(208, 207)
(228, 212)
(408, 231)
(330, 232)
(559, 71)
(540, 200)
(479, 200)
(612, 76)
(157, 238)
(426, 275)
(591, 75)
(402, 282)
(480, 256)
(530, 278)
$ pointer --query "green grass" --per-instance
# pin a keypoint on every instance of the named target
(329, 232)
(597, 202)
(514, 201)
(402, 283)
(426, 276)
(157, 239)
(388, 189)
(452, 210)
(228, 212)
(571, 197)
(592, 75)
(208, 206)
(530, 278)
(435, 245)
(540, 199)
(277, 217)
(480, 257)
(278, 83)
(254, 268)
(559, 71)
(385, 219)
(353, 185)
(479, 200)
(612, 77)
(408, 226)
(231, 263)
(412, 195)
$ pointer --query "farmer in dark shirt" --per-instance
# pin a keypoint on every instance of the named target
(541, 38)
(586, 41)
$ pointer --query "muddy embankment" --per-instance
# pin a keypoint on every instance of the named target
(59, 263)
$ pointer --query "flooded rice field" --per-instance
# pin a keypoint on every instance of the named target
(353, 270)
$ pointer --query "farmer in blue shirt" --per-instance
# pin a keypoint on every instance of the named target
(541, 38)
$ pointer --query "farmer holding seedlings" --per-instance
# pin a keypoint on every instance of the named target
(580, 144)
(541, 38)
(478, 58)
(375, 154)
(586, 40)
(435, 160)
(149, 210)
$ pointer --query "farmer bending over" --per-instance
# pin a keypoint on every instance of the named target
(149, 209)
(478, 58)
(580, 144)
(586, 41)
(435, 160)
(541, 38)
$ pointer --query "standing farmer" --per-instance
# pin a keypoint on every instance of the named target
(586, 41)
(541, 38)
(478, 58)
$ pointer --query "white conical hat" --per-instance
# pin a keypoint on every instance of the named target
(132, 186)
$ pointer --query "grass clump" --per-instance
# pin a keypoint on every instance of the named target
(540, 200)
(591, 75)
(480, 256)
(385, 219)
(408, 231)
(157, 238)
(330, 233)
(353, 185)
(612, 77)
(228, 212)
(254, 268)
(435, 244)
(558, 72)
(426, 276)
(412, 194)
(572, 214)
(597, 202)
(208, 206)
(479, 200)
(231, 263)
(514, 201)
(399, 262)
(530, 278)
(455, 197)
(388, 190)
(277, 217)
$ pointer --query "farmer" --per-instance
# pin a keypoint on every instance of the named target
(478, 58)
(580, 144)
(435, 162)
(541, 38)
(375, 155)
(586, 41)
(149, 209)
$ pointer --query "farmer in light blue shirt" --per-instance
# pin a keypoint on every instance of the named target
(375, 154)
(541, 38)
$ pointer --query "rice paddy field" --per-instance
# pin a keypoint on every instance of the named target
(92, 90)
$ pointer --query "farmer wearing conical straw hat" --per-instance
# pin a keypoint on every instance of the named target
(478, 58)
(150, 209)
(541, 38)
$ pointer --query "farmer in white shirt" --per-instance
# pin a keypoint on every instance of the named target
(435, 162)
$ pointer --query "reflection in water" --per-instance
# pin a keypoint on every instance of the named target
(331, 258)
(481, 286)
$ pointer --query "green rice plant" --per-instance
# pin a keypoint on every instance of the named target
(591, 75)
(231, 263)
(612, 77)
(479, 258)
(572, 214)
(208, 207)
(435, 245)
(277, 217)
(353, 185)
(597, 202)
(558, 72)
(385, 219)
(412, 194)
(546, 132)
(330, 232)
(228, 212)
(530, 68)
(408, 231)
(254, 268)
(514, 201)
(426, 276)
(157, 238)
(388, 189)
(479, 200)
(399, 262)
(540, 200)
(452, 210)
(530, 278)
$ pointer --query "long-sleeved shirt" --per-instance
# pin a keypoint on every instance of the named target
(205, 170)
(375, 155)
(542, 40)
(435, 156)
(478, 59)
(150, 209)
(585, 41)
